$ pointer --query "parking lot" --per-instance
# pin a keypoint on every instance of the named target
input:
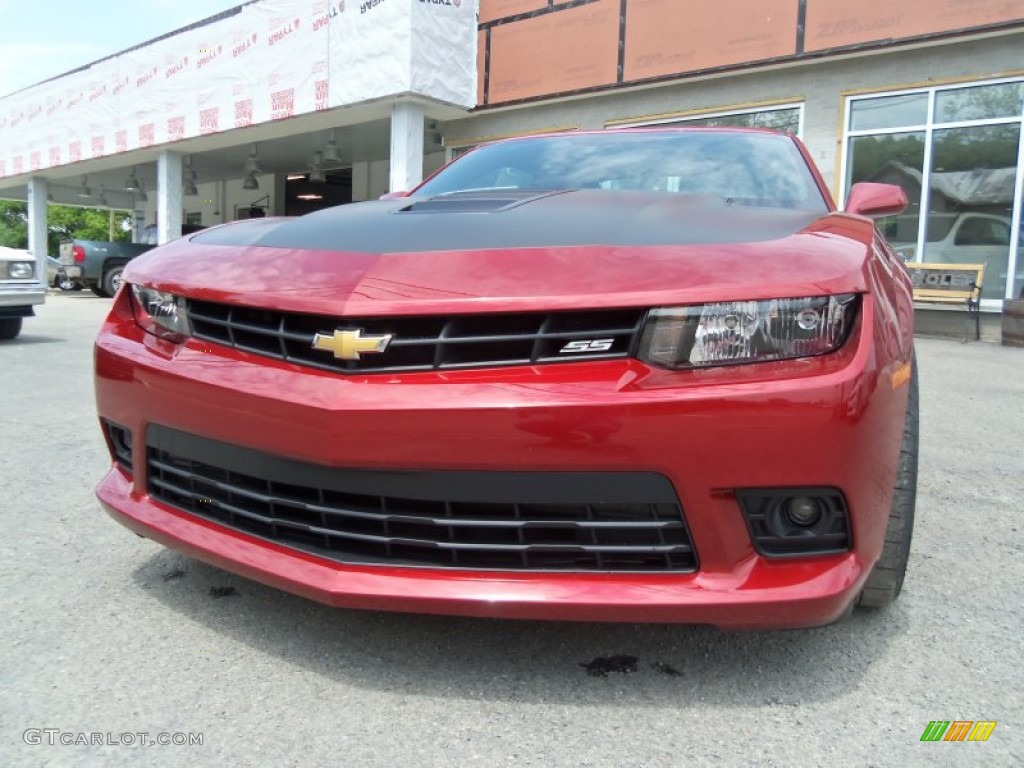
(106, 633)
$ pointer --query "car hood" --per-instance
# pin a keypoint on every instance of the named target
(515, 250)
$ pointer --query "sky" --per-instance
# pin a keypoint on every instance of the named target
(43, 38)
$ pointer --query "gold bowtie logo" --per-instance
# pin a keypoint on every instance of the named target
(349, 345)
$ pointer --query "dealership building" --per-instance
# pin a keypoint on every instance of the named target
(285, 106)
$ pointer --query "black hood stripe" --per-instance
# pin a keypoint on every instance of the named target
(521, 219)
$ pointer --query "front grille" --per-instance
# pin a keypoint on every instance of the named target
(540, 521)
(423, 343)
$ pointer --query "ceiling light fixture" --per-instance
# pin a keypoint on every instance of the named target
(132, 185)
(252, 163)
(310, 197)
(85, 191)
(102, 199)
(251, 182)
(330, 154)
(316, 172)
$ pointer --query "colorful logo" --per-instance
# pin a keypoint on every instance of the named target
(958, 730)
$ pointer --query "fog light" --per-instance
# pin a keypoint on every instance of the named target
(803, 511)
(119, 441)
(793, 522)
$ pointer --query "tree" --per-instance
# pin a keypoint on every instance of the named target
(64, 222)
(13, 224)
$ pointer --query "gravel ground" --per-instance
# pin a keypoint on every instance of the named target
(103, 632)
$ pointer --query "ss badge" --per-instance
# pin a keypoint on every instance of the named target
(587, 345)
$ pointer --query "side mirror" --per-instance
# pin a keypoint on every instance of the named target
(394, 195)
(876, 200)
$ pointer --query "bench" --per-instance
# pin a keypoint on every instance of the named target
(950, 284)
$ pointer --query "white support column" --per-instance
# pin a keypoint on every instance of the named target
(37, 244)
(406, 146)
(222, 201)
(168, 206)
(360, 181)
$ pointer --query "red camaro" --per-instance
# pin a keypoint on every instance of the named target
(644, 375)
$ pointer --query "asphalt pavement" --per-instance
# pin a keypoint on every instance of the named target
(105, 636)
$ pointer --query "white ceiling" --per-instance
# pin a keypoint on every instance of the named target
(363, 134)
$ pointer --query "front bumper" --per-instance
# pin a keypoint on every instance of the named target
(17, 298)
(833, 421)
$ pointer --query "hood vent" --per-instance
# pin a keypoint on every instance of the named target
(478, 200)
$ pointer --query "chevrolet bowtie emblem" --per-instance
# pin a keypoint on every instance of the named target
(349, 345)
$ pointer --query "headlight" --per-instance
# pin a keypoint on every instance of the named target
(160, 313)
(21, 270)
(746, 331)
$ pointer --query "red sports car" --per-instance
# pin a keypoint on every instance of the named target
(641, 375)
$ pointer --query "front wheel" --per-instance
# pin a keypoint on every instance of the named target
(884, 584)
(10, 327)
(112, 280)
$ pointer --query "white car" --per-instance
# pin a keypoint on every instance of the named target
(959, 238)
(20, 289)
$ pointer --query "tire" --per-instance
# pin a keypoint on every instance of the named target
(10, 327)
(112, 279)
(98, 290)
(885, 582)
(65, 283)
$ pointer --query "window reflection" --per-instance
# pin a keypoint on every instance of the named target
(979, 102)
(782, 120)
(974, 171)
(962, 205)
(889, 112)
(745, 169)
(898, 159)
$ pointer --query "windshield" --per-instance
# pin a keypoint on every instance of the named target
(743, 168)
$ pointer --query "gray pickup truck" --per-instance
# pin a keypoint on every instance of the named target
(98, 264)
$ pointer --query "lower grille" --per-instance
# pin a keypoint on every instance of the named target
(539, 521)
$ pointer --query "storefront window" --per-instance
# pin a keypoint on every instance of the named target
(973, 174)
(889, 112)
(979, 102)
(1018, 255)
(785, 119)
(894, 158)
(959, 169)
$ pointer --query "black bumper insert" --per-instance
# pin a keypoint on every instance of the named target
(541, 521)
